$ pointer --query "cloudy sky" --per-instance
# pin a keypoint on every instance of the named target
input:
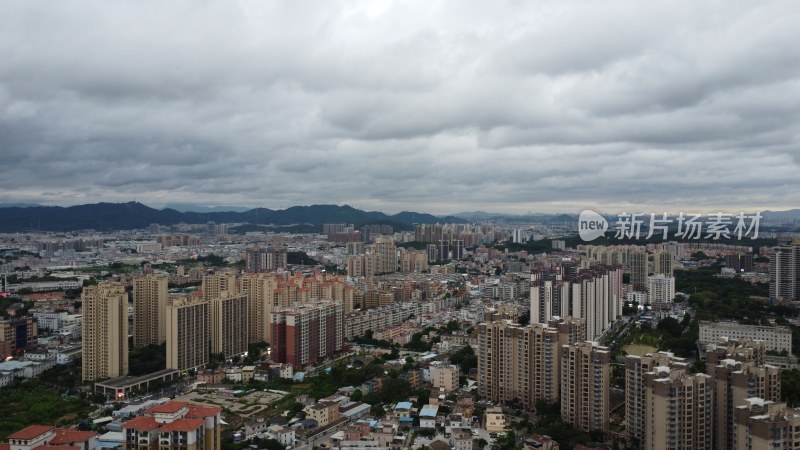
(436, 106)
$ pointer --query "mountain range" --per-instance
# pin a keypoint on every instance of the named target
(134, 215)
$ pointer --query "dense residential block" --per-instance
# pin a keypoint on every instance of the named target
(523, 363)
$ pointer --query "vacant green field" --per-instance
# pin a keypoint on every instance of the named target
(638, 349)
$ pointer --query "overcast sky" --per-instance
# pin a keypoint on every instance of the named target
(431, 106)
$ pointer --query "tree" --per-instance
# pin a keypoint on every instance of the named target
(377, 411)
(452, 326)
(356, 395)
(507, 442)
(148, 359)
(671, 326)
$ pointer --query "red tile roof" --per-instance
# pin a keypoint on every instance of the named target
(56, 447)
(198, 411)
(30, 432)
(5, 446)
(141, 423)
(65, 436)
(182, 425)
(168, 408)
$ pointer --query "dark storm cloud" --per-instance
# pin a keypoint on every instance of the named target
(438, 106)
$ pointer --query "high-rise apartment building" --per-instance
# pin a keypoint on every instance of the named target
(337, 290)
(594, 295)
(413, 261)
(678, 410)
(306, 334)
(661, 289)
(743, 350)
(738, 371)
(188, 337)
(662, 263)
(638, 266)
(734, 383)
(260, 290)
(385, 256)
(740, 262)
(255, 259)
(362, 265)
(636, 368)
(763, 424)
(784, 274)
(457, 249)
(258, 259)
(443, 250)
(585, 385)
(105, 331)
(149, 309)
(523, 363)
(229, 324)
(19, 333)
(215, 284)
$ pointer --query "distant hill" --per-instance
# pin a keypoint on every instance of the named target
(512, 218)
(191, 207)
(132, 215)
(781, 215)
(19, 205)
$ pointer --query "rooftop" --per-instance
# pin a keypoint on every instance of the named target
(126, 381)
(58, 447)
(199, 411)
(30, 432)
(141, 423)
(183, 425)
(71, 436)
(429, 411)
(168, 408)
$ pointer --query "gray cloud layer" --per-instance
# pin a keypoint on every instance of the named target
(430, 105)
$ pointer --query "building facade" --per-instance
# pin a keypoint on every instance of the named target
(523, 363)
(149, 309)
(661, 289)
(188, 338)
(784, 273)
(776, 338)
(678, 410)
(306, 334)
(105, 331)
(585, 385)
(229, 324)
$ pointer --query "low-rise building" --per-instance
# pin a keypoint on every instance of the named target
(324, 413)
(427, 417)
(495, 420)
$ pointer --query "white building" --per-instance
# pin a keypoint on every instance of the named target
(636, 296)
(427, 417)
(661, 289)
(777, 338)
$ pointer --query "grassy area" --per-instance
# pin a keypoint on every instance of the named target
(638, 349)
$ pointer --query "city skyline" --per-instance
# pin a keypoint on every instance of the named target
(441, 107)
